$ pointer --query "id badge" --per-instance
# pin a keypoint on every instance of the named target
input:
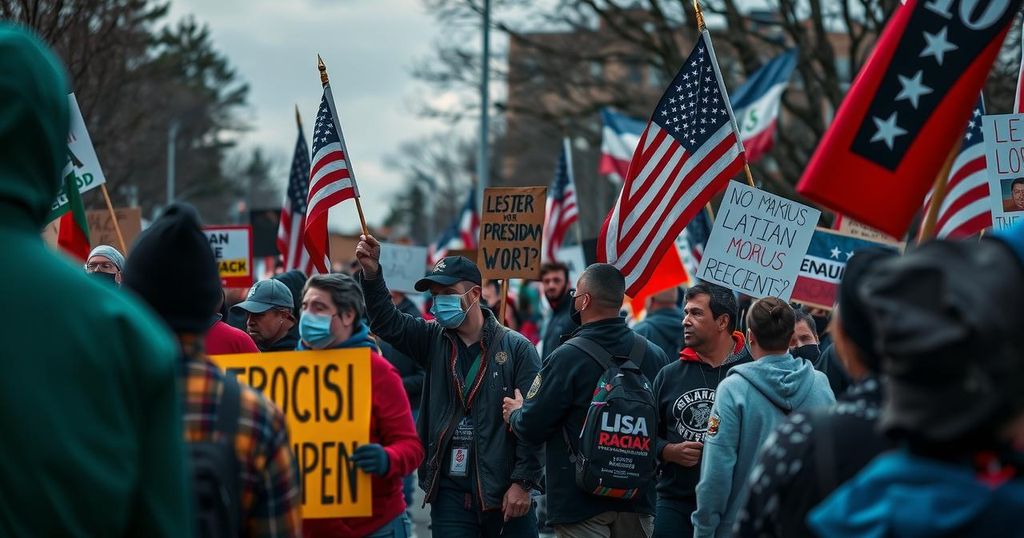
(462, 441)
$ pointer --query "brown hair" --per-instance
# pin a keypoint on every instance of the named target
(551, 267)
(771, 321)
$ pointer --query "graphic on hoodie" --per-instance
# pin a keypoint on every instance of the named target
(691, 412)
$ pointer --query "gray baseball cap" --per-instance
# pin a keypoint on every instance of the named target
(267, 294)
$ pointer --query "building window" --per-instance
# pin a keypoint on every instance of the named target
(597, 69)
(843, 70)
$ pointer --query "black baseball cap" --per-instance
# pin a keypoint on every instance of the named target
(448, 271)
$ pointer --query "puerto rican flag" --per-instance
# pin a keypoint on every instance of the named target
(461, 233)
(756, 104)
(823, 266)
(619, 137)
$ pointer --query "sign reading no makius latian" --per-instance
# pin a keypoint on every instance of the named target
(511, 230)
(758, 242)
(326, 399)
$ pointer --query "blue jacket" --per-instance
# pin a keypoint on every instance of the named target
(902, 495)
(752, 400)
(664, 328)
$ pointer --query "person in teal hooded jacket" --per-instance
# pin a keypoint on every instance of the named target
(752, 400)
(334, 317)
(90, 412)
(954, 400)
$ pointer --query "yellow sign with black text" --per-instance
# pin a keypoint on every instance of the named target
(326, 399)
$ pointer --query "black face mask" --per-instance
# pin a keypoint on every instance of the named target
(107, 278)
(809, 352)
(820, 324)
(574, 314)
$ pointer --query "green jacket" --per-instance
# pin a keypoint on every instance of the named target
(91, 439)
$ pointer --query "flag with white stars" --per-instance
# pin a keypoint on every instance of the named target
(688, 152)
(293, 212)
(906, 110)
(823, 266)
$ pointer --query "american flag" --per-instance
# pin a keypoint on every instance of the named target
(687, 153)
(561, 211)
(330, 182)
(462, 232)
(965, 210)
(293, 212)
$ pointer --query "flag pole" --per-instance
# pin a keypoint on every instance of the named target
(572, 177)
(504, 301)
(341, 136)
(702, 28)
(113, 217)
(939, 193)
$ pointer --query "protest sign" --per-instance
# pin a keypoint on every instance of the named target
(403, 265)
(101, 226)
(576, 260)
(232, 247)
(511, 229)
(326, 399)
(1004, 156)
(758, 242)
(82, 160)
(863, 231)
(824, 264)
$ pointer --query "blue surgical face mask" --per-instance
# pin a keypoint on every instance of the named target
(315, 329)
(448, 311)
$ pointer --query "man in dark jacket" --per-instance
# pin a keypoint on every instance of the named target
(664, 322)
(830, 445)
(557, 403)
(554, 277)
(477, 476)
(685, 392)
(268, 316)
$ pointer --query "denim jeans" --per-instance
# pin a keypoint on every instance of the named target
(400, 527)
(673, 518)
(456, 514)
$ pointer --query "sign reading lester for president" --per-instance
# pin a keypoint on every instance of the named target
(511, 230)
(326, 400)
(232, 247)
(758, 242)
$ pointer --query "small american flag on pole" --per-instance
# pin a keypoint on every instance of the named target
(687, 153)
(331, 181)
(561, 211)
(293, 212)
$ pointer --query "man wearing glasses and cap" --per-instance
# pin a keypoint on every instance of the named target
(268, 316)
(477, 476)
(105, 262)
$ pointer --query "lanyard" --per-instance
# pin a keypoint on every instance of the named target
(469, 388)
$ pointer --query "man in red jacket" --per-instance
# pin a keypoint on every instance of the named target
(334, 316)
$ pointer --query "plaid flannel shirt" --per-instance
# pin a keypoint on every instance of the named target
(270, 494)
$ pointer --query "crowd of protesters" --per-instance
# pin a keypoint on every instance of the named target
(900, 414)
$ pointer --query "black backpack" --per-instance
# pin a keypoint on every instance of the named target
(615, 452)
(215, 471)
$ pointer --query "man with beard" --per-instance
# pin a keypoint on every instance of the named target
(554, 277)
(684, 392)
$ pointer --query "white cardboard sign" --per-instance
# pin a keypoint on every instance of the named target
(758, 242)
(403, 265)
(1004, 159)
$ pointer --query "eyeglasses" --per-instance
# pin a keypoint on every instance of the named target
(100, 266)
(573, 293)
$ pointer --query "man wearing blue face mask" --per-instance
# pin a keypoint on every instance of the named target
(333, 317)
(477, 476)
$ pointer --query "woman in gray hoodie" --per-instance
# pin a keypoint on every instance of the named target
(750, 402)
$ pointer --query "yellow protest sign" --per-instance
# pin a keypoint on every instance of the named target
(326, 400)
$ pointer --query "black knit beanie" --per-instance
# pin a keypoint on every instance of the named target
(172, 268)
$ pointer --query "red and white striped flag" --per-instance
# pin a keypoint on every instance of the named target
(293, 212)
(331, 181)
(687, 153)
(965, 210)
(561, 211)
(1018, 102)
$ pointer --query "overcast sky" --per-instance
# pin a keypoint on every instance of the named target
(369, 47)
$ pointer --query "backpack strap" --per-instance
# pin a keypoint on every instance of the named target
(639, 351)
(228, 408)
(591, 348)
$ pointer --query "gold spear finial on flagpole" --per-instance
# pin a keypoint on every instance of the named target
(700, 16)
(323, 70)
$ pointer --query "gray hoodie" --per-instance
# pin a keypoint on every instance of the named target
(750, 402)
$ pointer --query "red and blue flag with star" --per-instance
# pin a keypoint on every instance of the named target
(906, 110)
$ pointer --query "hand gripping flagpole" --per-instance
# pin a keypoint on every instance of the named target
(703, 29)
(348, 158)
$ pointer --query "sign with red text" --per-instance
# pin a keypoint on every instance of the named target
(232, 247)
(758, 242)
(1004, 156)
(326, 397)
